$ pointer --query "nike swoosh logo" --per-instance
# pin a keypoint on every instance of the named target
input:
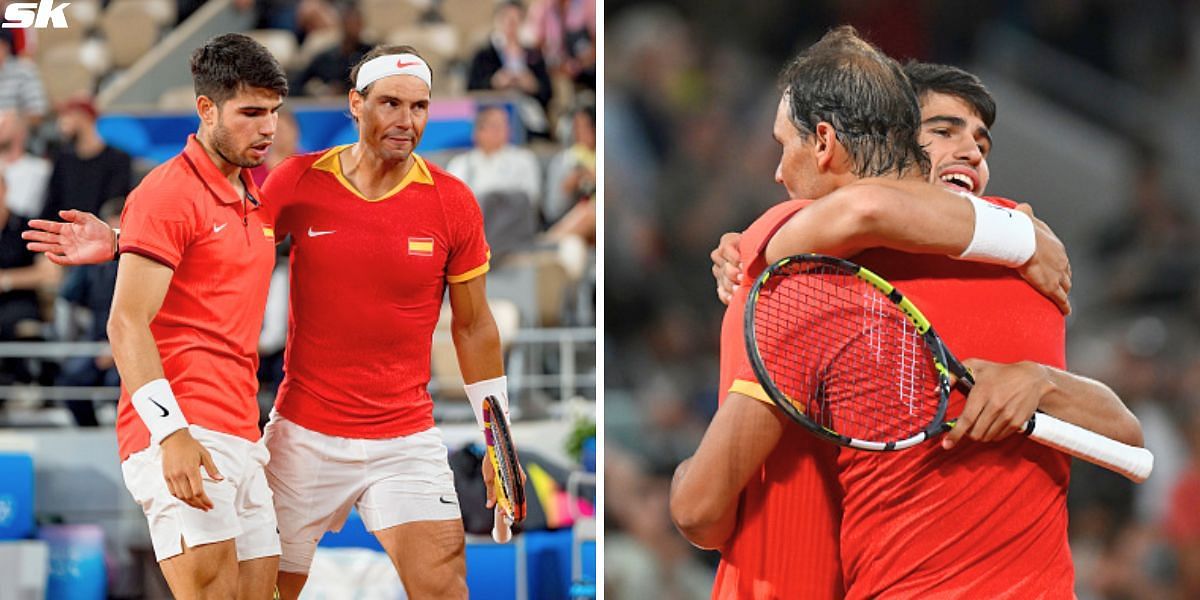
(443, 500)
(312, 233)
(160, 407)
(218, 228)
(402, 64)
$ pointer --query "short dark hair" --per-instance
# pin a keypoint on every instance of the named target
(850, 84)
(376, 52)
(229, 63)
(930, 78)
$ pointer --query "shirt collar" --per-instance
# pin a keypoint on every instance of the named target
(214, 179)
(331, 163)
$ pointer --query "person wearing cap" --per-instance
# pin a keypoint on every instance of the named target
(87, 172)
(379, 235)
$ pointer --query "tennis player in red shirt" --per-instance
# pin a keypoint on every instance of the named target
(196, 256)
(380, 236)
(800, 568)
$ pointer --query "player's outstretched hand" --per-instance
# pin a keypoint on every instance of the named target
(727, 268)
(182, 458)
(489, 479)
(79, 239)
(1003, 399)
(1049, 270)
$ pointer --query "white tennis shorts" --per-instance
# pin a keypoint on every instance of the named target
(318, 478)
(242, 507)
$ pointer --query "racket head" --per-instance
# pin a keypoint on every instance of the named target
(510, 490)
(843, 353)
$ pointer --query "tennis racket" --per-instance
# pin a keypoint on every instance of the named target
(510, 490)
(842, 352)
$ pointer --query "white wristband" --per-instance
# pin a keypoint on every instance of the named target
(155, 404)
(480, 390)
(1002, 236)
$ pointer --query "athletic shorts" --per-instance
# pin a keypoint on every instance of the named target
(318, 478)
(242, 507)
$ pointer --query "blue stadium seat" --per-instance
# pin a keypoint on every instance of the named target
(16, 496)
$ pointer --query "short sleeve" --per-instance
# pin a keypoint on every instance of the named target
(157, 225)
(278, 193)
(469, 257)
(744, 381)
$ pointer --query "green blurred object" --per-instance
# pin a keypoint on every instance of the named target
(582, 429)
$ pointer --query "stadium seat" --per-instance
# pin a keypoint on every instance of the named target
(382, 17)
(314, 44)
(468, 15)
(16, 496)
(50, 38)
(131, 28)
(281, 44)
(70, 76)
(163, 11)
(436, 41)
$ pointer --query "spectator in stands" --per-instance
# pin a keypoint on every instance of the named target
(566, 34)
(90, 287)
(21, 89)
(298, 16)
(86, 172)
(22, 274)
(506, 180)
(287, 143)
(504, 63)
(26, 175)
(326, 74)
(571, 178)
(494, 164)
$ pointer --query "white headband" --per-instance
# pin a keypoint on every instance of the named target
(393, 64)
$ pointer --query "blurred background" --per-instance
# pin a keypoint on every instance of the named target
(87, 110)
(1097, 127)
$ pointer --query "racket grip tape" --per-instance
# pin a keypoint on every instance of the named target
(501, 529)
(1130, 461)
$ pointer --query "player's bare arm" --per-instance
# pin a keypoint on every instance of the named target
(477, 344)
(1005, 396)
(902, 215)
(706, 487)
(141, 287)
(81, 238)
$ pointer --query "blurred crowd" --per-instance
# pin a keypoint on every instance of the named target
(530, 66)
(689, 100)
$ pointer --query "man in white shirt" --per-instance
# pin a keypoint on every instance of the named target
(495, 165)
(25, 174)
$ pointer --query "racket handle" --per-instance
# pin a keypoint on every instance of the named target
(1132, 462)
(501, 529)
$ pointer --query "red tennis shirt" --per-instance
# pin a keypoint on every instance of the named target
(785, 543)
(186, 215)
(367, 281)
(984, 520)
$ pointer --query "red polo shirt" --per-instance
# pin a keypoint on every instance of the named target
(187, 216)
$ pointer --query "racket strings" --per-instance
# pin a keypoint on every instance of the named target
(844, 354)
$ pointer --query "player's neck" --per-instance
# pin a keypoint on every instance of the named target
(372, 174)
(231, 171)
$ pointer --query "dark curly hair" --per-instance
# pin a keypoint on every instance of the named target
(231, 62)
